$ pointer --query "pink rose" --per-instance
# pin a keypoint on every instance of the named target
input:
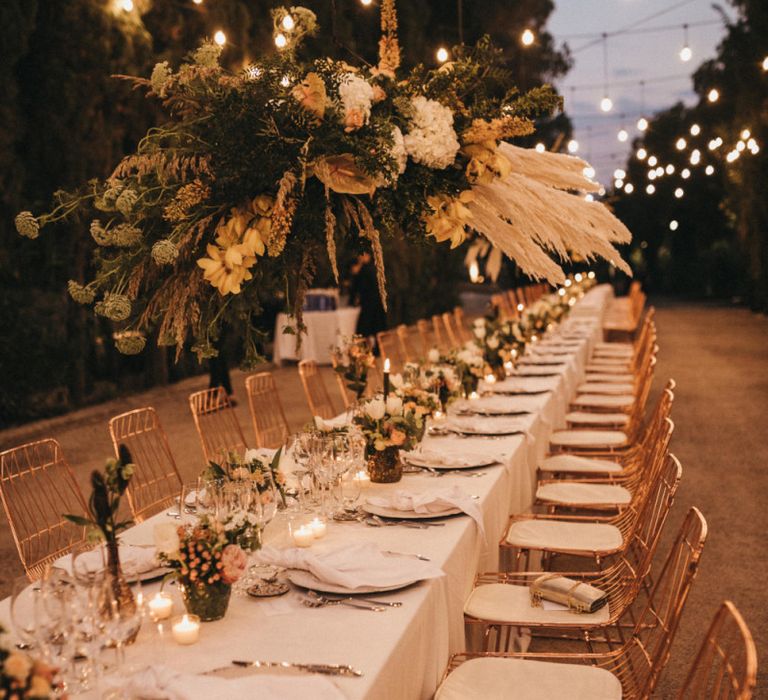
(397, 437)
(353, 120)
(233, 563)
(378, 94)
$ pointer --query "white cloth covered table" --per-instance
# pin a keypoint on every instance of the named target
(323, 328)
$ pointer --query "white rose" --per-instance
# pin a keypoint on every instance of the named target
(493, 342)
(479, 322)
(433, 355)
(166, 537)
(396, 380)
(375, 409)
(465, 356)
(322, 425)
(479, 332)
(394, 405)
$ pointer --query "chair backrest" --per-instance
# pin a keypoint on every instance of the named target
(427, 336)
(647, 652)
(726, 665)
(442, 341)
(390, 349)
(347, 396)
(315, 391)
(500, 305)
(450, 331)
(512, 302)
(269, 421)
(216, 424)
(37, 486)
(410, 342)
(460, 325)
(156, 480)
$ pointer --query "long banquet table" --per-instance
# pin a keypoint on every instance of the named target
(402, 652)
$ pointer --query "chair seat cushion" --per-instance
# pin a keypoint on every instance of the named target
(503, 602)
(588, 438)
(615, 347)
(575, 463)
(623, 401)
(610, 377)
(520, 679)
(579, 494)
(590, 387)
(564, 535)
(607, 367)
(586, 418)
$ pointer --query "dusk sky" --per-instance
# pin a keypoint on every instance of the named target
(632, 57)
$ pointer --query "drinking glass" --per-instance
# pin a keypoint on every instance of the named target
(23, 611)
(120, 622)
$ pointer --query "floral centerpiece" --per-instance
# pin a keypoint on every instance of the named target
(257, 174)
(205, 560)
(352, 360)
(388, 425)
(24, 678)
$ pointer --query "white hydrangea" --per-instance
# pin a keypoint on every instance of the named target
(432, 140)
(399, 154)
(356, 94)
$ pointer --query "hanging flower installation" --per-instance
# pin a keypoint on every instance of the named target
(258, 174)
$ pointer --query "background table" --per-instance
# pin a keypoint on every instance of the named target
(323, 327)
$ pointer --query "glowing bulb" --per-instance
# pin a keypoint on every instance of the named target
(573, 146)
(198, 2)
(578, 277)
(629, 188)
(642, 124)
(751, 144)
(540, 148)
(641, 154)
(680, 144)
(695, 129)
(652, 161)
(709, 170)
(765, 63)
(527, 37)
(127, 5)
(281, 41)
(746, 134)
(220, 38)
(474, 272)
(686, 54)
(588, 172)
(618, 184)
(619, 174)
(650, 189)
(673, 225)
(366, 2)
(601, 191)
(590, 198)
(622, 135)
(713, 95)
(732, 156)
(670, 169)
(696, 157)
(659, 171)
(715, 143)
(740, 146)
(679, 192)
(652, 175)
(685, 173)
(288, 23)
(606, 104)
(442, 55)
(285, 81)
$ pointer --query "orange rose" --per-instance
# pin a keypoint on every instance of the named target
(397, 437)
(353, 120)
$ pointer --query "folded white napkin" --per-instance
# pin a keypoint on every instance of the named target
(484, 425)
(430, 458)
(354, 566)
(340, 421)
(434, 501)
(522, 384)
(487, 405)
(133, 560)
(534, 370)
(163, 683)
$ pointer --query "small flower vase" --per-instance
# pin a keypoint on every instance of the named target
(120, 593)
(209, 601)
(384, 466)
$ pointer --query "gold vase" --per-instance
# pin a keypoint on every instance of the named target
(384, 466)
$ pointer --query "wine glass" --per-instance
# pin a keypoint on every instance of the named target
(23, 611)
(120, 617)
(89, 564)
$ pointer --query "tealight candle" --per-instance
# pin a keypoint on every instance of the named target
(438, 415)
(508, 367)
(474, 396)
(362, 479)
(303, 536)
(490, 379)
(160, 606)
(318, 528)
(186, 629)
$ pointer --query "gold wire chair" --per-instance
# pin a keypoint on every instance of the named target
(726, 665)
(426, 336)
(442, 341)
(450, 332)
(156, 481)
(216, 423)
(410, 343)
(37, 486)
(460, 325)
(636, 664)
(315, 391)
(269, 422)
(391, 349)
(348, 397)
(512, 303)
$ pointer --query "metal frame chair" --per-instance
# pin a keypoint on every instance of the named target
(216, 424)
(269, 422)
(315, 391)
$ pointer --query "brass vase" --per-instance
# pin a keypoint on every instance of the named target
(384, 466)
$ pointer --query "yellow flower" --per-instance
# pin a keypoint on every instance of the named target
(226, 269)
(310, 94)
(341, 174)
(39, 687)
(485, 162)
(17, 666)
(449, 217)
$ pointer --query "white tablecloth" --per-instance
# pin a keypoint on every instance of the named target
(322, 329)
(402, 652)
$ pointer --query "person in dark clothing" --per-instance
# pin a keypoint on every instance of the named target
(218, 367)
(364, 292)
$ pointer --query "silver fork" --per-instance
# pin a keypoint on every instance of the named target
(318, 601)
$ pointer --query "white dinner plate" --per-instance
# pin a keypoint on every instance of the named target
(306, 579)
(385, 512)
(469, 461)
(151, 575)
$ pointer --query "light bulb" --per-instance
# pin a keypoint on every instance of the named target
(281, 41)
(606, 104)
(659, 171)
(641, 154)
(588, 172)
(629, 188)
(442, 54)
(709, 170)
(590, 198)
(695, 129)
(527, 37)
(751, 144)
(696, 157)
(650, 189)
(288, 23)
(713, 95)
(540, 148)
(366, 2)
(622, 135)
(686, 54)
(685, 173)
(642, 124)
(573, 146)
(745, 134)
(679, 192)
(673, 225)
(652, 175)
(127, 5)
(601, 191)
(619, 174)
(765, 63)
(732, 156)
(198, 2)
(670, 169)
(715, 143)
(680, 144)
(652, 161)
(220, 38)
(618, 184)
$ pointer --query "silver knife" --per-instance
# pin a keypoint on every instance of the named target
(326, 669)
